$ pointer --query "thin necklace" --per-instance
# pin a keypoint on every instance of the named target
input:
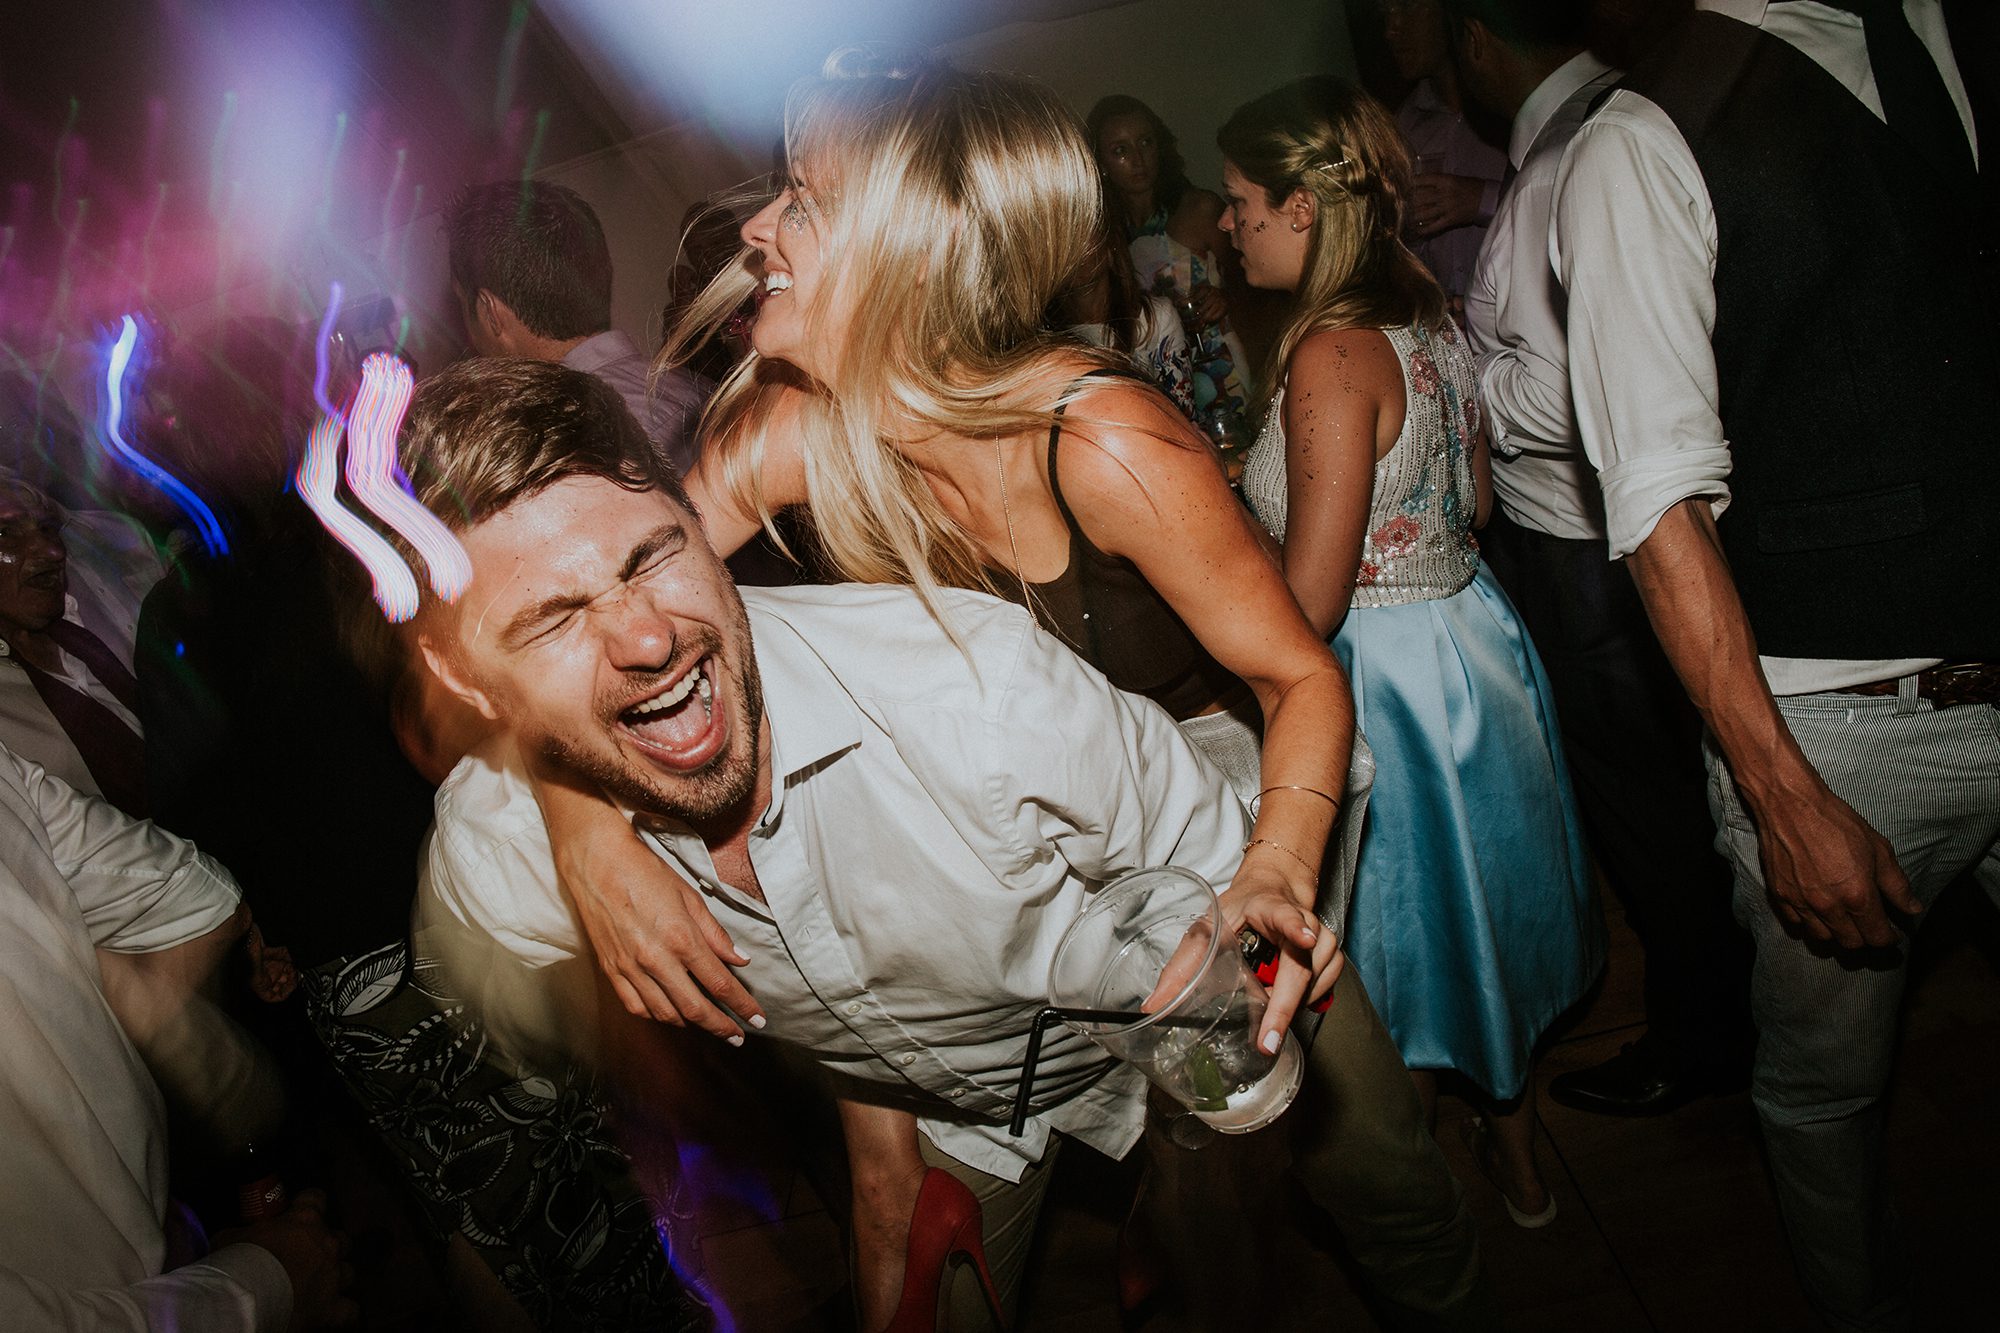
(1013, 548)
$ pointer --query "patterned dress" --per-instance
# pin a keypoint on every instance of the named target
(1168, 268)
(1473, 920)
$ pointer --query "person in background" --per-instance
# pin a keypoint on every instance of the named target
(532, 274)
(1632, 739)
(1106, 307)
(1786, 374)
(1456, 172)
(68, 699)
(1474, 919)
(1169, 224)
(84, 1241)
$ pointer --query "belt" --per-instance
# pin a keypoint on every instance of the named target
(1944, 686)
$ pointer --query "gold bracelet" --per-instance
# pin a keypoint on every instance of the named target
(1286, 850)
(1258, 799)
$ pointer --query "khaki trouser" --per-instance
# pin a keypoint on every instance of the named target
(1008, 1213)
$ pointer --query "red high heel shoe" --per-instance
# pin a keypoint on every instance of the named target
(944, 1231)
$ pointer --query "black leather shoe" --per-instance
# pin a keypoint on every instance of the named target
(1634, 1082)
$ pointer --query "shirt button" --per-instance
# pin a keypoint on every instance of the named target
(854, 1006)
(906, 1059)
(956, 1092)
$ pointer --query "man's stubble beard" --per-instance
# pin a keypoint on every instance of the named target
(696, 798)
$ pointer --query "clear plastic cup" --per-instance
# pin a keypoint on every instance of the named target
(1149, 974)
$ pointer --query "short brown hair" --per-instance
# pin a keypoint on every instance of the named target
(538, 247)
(491, 431)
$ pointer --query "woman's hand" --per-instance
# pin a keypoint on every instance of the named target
(663, 951)
(1209, 306)
(1278, 904)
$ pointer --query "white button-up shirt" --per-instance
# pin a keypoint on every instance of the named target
(1634, 245)
(83, 1166)
(939, 814)
(1514, 321)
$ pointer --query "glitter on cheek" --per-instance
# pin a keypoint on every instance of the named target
(797, 216)
(1260, 226)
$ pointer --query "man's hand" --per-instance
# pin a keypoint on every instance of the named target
(1309, 957)
(666, 955)
(310, 1251)
(1828, 873)
(1440, 203)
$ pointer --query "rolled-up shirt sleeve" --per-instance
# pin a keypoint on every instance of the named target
(1634, 244)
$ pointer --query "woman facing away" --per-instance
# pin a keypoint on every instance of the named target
(1473, 920)
(903, 386)
(1170, 225)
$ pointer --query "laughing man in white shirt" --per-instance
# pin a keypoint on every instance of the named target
(1782, 304)
(894, 825)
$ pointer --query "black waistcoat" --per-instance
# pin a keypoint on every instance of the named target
(1857, 344)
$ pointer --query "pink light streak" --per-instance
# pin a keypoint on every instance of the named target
(319, 472)
(384, 397)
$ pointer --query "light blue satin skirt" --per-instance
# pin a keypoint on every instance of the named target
(1473, 922)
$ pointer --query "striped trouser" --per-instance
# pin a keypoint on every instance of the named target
(1928, 780)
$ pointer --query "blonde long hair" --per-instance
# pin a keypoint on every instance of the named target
(1329, 138)
(953, 207)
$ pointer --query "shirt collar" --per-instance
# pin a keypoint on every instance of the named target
(1745, 11)
(1547, 99)
(600, 349)
(811, 715)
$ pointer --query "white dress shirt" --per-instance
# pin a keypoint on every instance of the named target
(1634, 245)
(669, 408)
(1514, 321)
(83, 1166)
(939, 814)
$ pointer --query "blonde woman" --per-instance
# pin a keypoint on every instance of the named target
(902, 387)
(1473, 918)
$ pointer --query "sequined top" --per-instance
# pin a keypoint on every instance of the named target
(1419, 545)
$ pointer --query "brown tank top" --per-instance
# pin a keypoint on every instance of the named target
(1102, 607)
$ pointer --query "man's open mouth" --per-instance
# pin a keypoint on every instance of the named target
(679, 726)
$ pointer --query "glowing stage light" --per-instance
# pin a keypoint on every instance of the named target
(205, 525)
(386, 385)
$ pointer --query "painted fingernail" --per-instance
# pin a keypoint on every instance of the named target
(757, 1021)
(736, 1040)
(1271, 1040)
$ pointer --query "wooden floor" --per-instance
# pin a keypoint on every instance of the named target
(1665, 1225)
